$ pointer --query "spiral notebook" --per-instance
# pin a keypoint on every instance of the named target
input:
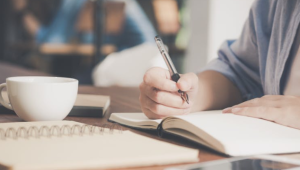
(73, 145)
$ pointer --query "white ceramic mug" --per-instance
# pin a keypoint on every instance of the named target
(40, 98)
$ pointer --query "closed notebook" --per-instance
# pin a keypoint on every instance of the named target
(226, 133)
(73, 145)
(86, 105)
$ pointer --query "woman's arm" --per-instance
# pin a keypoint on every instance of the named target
(215, 91)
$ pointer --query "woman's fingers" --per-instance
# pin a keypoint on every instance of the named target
(159, 94)
(187, 82)
(281, 109)
(160, 110)
(266, 101)
(267, 113)
(160, 78)
(165, 98)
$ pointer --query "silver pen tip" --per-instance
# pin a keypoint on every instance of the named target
(185, 97)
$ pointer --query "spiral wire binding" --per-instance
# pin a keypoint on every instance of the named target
(58, 131)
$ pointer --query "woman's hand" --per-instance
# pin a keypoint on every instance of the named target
(284, 110)
(159, 95)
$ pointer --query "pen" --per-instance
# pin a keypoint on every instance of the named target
(173, 72)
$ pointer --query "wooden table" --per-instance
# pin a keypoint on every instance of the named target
(10, 70)
(122, 100)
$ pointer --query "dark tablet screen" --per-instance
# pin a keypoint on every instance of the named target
(249, 164)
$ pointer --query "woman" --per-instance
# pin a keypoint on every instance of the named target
(260, 70)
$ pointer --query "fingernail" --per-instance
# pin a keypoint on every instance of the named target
(227, 110)
(235, 110)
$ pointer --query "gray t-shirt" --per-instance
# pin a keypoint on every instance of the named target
(257, 61)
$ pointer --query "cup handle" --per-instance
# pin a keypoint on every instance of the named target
(7, 105)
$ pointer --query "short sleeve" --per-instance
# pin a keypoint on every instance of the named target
(238, 60)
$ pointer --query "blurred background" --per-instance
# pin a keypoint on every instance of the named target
(111, 42)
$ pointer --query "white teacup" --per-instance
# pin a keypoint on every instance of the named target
(40, 98)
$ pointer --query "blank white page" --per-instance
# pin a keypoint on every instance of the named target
(243, 135)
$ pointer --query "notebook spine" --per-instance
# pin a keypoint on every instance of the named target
(58, 131)
(160, 130)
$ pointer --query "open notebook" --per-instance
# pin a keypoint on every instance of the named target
(73, 145)
(227, 133)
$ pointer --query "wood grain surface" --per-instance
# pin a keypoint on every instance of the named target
(10, 70)
(122, 100)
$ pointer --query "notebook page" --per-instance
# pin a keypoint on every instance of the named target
(92, 100)
(137, 120)
(242, 135)
(140, 120)
(106, 150)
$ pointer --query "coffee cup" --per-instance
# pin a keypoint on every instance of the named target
(40, 98)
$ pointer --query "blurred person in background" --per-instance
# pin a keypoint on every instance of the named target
(57, 22)
(68, 22)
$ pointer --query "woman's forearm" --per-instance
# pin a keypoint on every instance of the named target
(215, 92)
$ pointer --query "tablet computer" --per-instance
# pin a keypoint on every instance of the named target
(263, 162)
